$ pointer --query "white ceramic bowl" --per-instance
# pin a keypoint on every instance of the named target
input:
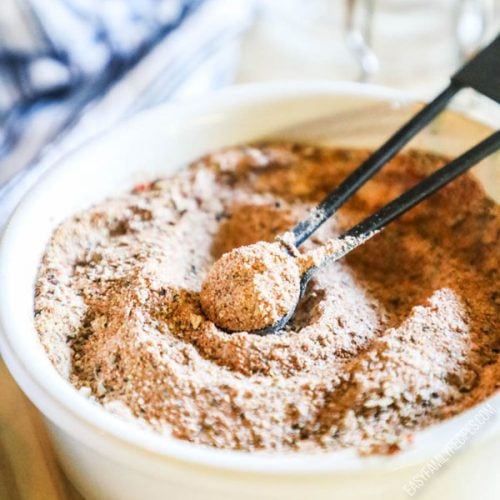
(106, 457)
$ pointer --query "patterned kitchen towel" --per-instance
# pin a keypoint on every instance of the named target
(64, 63)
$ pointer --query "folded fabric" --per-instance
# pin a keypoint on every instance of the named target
(65, 62)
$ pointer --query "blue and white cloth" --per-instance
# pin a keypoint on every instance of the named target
(71, 68)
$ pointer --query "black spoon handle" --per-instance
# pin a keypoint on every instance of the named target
(422, 190)
(372, 165)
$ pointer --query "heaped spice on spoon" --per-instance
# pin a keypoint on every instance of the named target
(400, 334)
(251, 287)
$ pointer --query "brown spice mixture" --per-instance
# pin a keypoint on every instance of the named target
(401, 333)
(251, 287)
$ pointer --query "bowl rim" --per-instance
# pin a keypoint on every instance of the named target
(89, 422)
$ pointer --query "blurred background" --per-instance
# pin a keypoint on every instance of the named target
(70, 69)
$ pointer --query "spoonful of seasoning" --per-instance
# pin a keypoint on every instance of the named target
(256, 288)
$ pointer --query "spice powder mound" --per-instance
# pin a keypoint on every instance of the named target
(251, 287)
(399, 334)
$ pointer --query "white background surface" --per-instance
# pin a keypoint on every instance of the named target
(414, 41)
